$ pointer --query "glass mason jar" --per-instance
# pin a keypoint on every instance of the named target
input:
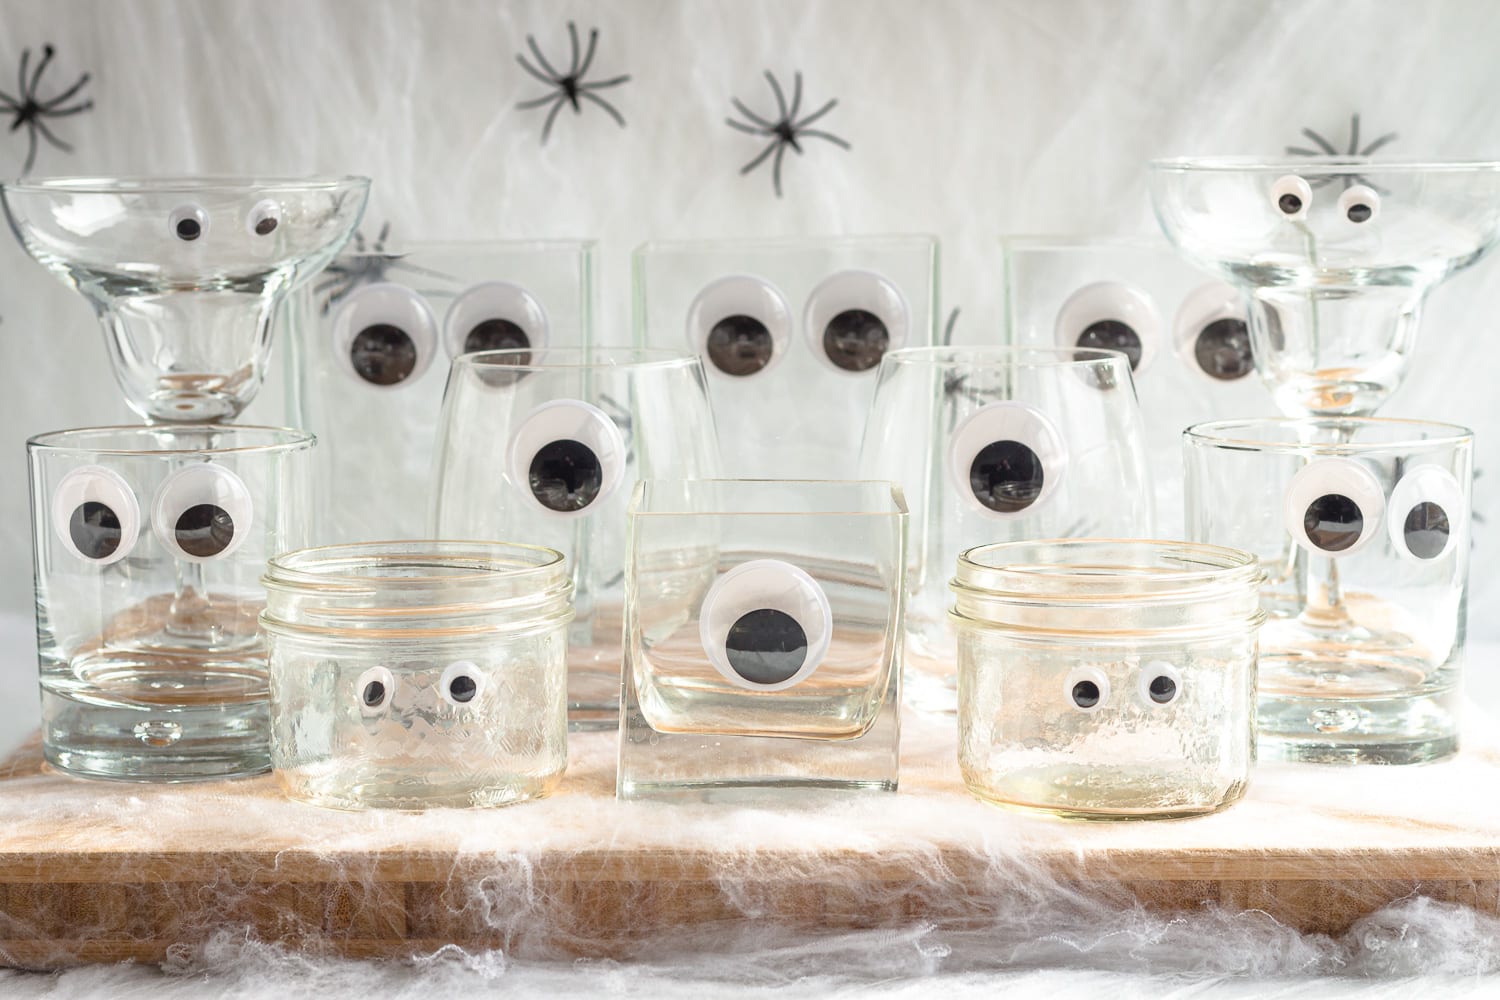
(1106, 679)
(420, 674)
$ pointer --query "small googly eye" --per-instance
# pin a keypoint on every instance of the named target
(187, 222)
(1007, 458)
(375, 689)
(95, 515)
(1160, 683)
(1292, 197)
(567, 455)
(1109, 315)
(263, 218)
(1212, 336)
(202, 512)
(1359, 204)
(765, 625)
(461, 683)
(853, 318)
(1086, 689)
(1429, 514)
(740, 324)
(495, 316)
(384, 334)
(1333, 507)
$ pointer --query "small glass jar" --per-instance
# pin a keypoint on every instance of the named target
(411, 675)
(1105, 679)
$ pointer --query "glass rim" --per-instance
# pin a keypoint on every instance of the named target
(299, 568)
(62, 441)
(1005, 356)
(1221, 560)
(578, 358)
(406, 249)
(1215, 433)
(143, 184)
(897, 495)
(775, 242)
(1317, 166)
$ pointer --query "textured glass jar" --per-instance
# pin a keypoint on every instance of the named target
(410, 675)
(1105, 679)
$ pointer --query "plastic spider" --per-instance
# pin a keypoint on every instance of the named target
(570, 87)
(31, 112)
(1325, 148)
(365, 265)
(785, 131)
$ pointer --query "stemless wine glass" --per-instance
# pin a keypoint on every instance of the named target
(1000, 444)
(543, 446)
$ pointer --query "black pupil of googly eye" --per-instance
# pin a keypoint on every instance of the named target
(1222, 350)
(95, 529)
(1162, 689)
(1426, 530)
(1333, 522)
(739, 345)
(1085, 694)
(498, 335)
(383, 354)
(1289, 203)
(265, 225)
(565, 475)
(1112, 335)
(1359, 212)
(1006, 476)
(462, 688)
(855, 340)
(766, 646)
(204, 530)
(373, 694)
(189, 229)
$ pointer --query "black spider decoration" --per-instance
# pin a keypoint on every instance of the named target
(570, 87)
(786, 131)
(31, 112)
(1325, 148)
(367, 264)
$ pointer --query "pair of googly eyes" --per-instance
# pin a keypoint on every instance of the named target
(190, 222)
(386, 335)
(765, 625)
(1210, 332)
(460, 686)
(1334, 507)
(1006, 459)
(1292, 196)
(200, 513)
(1157, 686)
(742, 324)
(568, 455)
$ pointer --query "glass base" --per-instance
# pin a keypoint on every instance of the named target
(332, 786)
(1107, 793)
(1399, 730)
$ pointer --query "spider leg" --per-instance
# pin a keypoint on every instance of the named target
(1354, 134)
(757, 119)
(605, 105)
(588, 57)
(561, 99)
(60, 98)
(541, 59)
(36, 77)
(1384, 140)
(948, 327)
(816, 114)
(549, 81)
(613, 81)
(771, 148)
(573, 42)
(380, 238)
(30, 152)
(536, 102)
(8, 103)
(776, 168)
(1300, 151)
(50, 137)
(796, 97)
(1321, 142)
(780, 97)
(65, 112)
(21, 83)
(816, 134)
(747, 129)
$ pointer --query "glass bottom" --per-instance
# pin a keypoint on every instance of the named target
(593, 688)
(1094, 792)
(332, 786)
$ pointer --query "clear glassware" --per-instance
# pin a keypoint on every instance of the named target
(185, 273)
(545, 445)
(790, 333)
(1000, 444)
(1105, 679)
(1362, 527)
(416, 675)
(762, 637)
(369, 343)
(1336, 256)
(149, 543)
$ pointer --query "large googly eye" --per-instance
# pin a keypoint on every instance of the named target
(568, 455)
(1086, 689)
(1006, 458)
(263, 219)
(95, 515)
(1108, 315)
(202, 512)
(853, 318)
(765, 625)
(740, 324)
(1292, 197)
(375, 689)
(461, 684)
(1212, 336)
(1160, 682)
(384, 334)
(495, 316)
(1428, 513)
(1333, 507)
(187, 222)
(1359, 204)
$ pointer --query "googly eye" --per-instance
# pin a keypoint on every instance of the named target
(263, 218)
(495, 316)
(567, 455)
(1429, 514)
(765, 625)
(202, 512)
(384, 335)
(1109, 315)
(1007, 458)
(1211, 334)
(187, 222)
(740, 324)
(1086, 689)
(1160, 682)
(853, 318)
(1333, 507)
(1359, 204)
(95, 515)
(461, 684)
(375, 689)
(1292, 197)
